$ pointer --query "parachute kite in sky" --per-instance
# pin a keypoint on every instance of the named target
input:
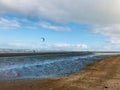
(43, 39)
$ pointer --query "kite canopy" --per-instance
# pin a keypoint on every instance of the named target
(43, 39)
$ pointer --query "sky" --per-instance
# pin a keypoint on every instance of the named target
(65, 24)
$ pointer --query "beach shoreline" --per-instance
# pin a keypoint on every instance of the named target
(101, 75)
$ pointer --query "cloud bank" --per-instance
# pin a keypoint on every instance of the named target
(43, 46)
(88, 11)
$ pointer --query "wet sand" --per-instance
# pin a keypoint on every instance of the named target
(103, 74)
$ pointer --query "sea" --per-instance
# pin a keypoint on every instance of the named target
(45, 66)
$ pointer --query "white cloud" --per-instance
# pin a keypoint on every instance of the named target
(111, 32)
(89, 11)
(16, 44)
(115, 40)
(9, 24)
(66, 46)
(54, 27)
(43, 46)
(60, 45)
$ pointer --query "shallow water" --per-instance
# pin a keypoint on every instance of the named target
(44, 66)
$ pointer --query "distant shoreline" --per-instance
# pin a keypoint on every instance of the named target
(52, 52)
(40, 53)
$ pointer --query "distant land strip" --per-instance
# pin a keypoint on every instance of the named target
(53, 52)
(40, 53)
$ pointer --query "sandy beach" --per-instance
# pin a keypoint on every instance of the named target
(103, 74)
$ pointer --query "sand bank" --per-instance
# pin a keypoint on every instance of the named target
(101, 75)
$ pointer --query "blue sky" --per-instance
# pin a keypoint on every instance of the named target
(65, 24)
